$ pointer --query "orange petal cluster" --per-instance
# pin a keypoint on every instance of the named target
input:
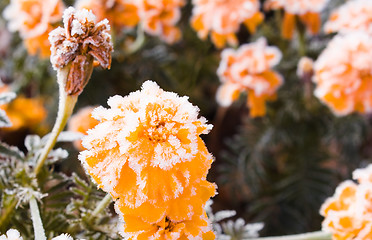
(81, 122)
(147, 153)
(344, 78)
(34, 19)
(222, 19)
(352, 16)
(308, 11)
(159, 18)
(248, 69)
(120, 13)
(24, 113)
(348, 214)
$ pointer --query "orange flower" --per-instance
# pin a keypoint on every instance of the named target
(81, 122)
(24, 113)
(222, 18)
(159, 18)
(120, 13)
(344, 78)
(307, 10)
(147, 153)
(348, 214)
(352, 16)
(248, 69)
(34, 19)
(195, 228)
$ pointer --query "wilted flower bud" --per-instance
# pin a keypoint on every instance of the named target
(79, 43)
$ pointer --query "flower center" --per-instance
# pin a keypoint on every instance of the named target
(157, 132)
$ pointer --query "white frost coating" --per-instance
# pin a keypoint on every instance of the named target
(216, 15)
(241, 70)
(363, 175)
(147, 129)
(11, 234)
(19, 17)
(354, 15)
(341, 73)
(300, 6)
(64, 236)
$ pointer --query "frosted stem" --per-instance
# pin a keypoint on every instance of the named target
(305, 236)
(65, 108)
(101, 206)
(36, 220)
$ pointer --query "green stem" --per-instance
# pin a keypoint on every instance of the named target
(137, 44)
(103, 204)
(65, 108)
(304, 236)
(39, 231)
(301, 37)
(7, 212)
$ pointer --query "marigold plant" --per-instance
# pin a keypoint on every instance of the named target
(147, 153)
(343, 78)
(308, 12)
(159, 18)
(34, 19)
(355, 15)
(248, 69)
(216, 18)
(120, 13)
(348, 214)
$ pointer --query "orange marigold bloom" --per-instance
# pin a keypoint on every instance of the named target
(147, 153)
(348, 214)
(344, 78)
(159, 18)
(195, 228)
(248, 69)
(81, 122)
(222, 18)
(120, 13)
(34, 19)
(308, 12)
(25, 112)
(352, 16)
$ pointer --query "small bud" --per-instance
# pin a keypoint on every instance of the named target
(305, 68)
(79, 43)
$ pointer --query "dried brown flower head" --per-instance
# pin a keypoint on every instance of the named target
(79, 43)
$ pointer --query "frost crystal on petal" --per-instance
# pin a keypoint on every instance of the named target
(147, 153)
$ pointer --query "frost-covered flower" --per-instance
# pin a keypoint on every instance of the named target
(307, 10)
(120, 13)
(11, 234)
(33, 19)
(222, 19)
(348, 214)
(159, 18)
(81, 122)
(147, 153)
(248, 69)
(344, 78)
(79, 42)
(195, 228)
(355, 15)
